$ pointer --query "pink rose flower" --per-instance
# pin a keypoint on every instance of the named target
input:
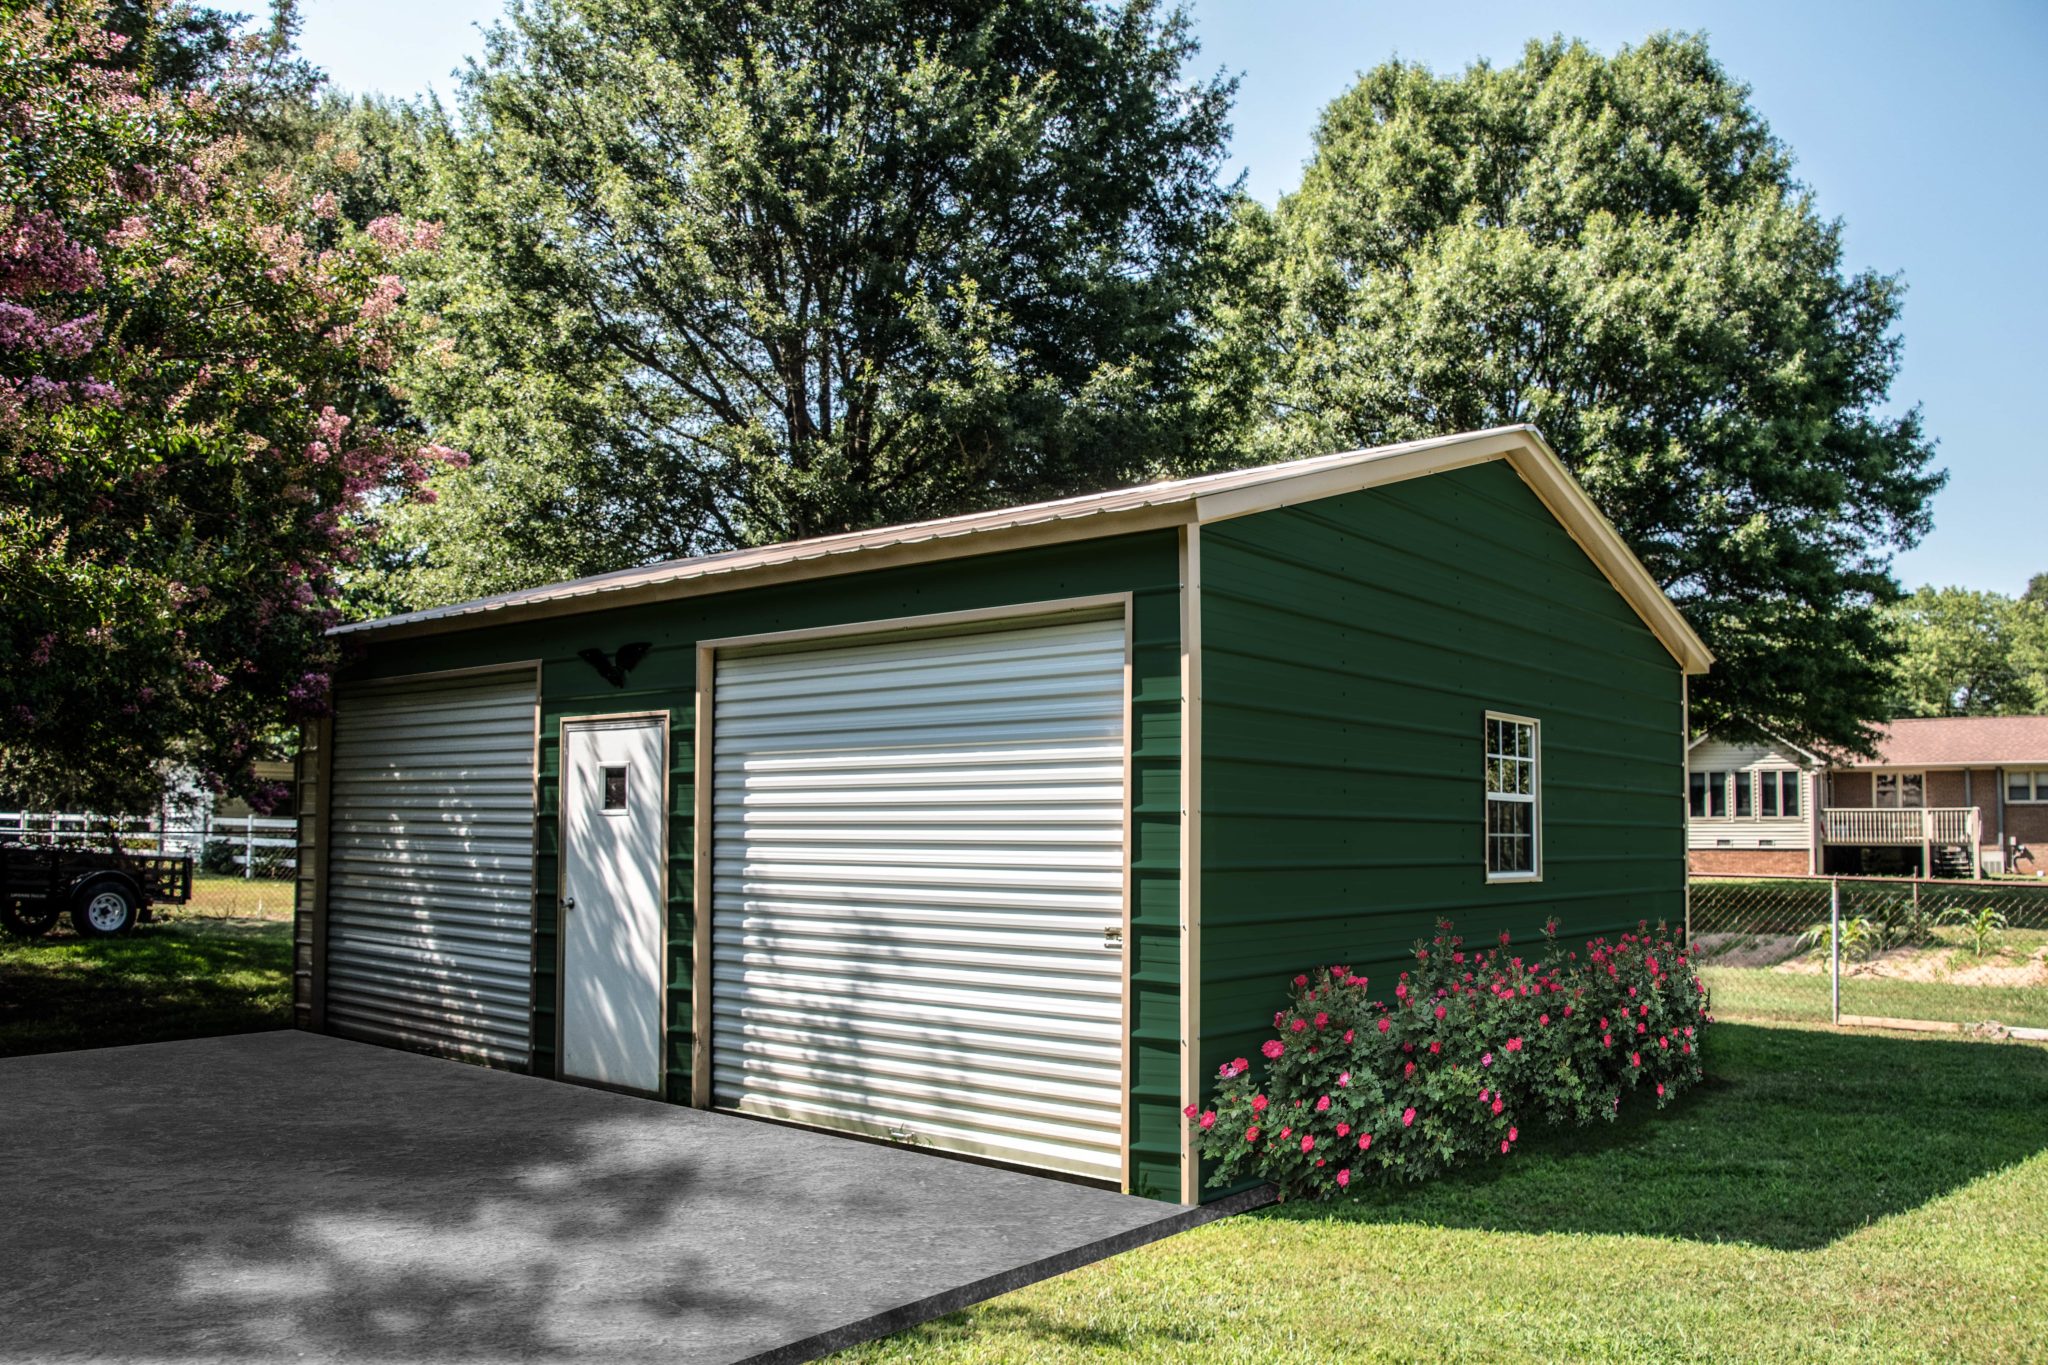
(1308, 1142)
(1344, 1178)
(1408, 1117)
(1273, 1048)
(1323, 1105)
(1258, 1104)
(1385, 1025)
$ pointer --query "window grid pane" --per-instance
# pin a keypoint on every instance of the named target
(1791, 790)
(1510, 797)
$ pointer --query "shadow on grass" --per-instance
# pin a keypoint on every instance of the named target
(1799, 1138)
(185, 979)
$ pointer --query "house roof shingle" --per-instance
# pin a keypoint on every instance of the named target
(1960, 741)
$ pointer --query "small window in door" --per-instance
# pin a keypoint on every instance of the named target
(614, 785)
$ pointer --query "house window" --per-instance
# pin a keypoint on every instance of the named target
(1744, 804)
(1900, 791)
(1513, 799)
(1777, 795)
(1709, 795)
(2027, 786)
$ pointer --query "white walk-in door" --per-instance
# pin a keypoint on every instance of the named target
(430, 875)
(918, 881)
(614, 846)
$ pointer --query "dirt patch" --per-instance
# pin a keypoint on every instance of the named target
(1942, 962)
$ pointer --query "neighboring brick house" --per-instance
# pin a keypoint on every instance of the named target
(1954, 794)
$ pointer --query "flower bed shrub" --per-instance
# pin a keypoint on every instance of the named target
(1468, 1052)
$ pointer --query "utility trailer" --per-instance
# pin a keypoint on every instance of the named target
(108, 892)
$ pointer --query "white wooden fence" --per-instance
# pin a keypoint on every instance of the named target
(252, 840)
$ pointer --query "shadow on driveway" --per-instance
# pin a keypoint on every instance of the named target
(283, 1195)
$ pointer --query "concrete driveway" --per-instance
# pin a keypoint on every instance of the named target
(282, 1196)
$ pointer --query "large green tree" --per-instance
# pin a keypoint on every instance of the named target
(1614, 249)
(739, 271)
(1968, 653)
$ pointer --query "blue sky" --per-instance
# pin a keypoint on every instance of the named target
(1924, 127)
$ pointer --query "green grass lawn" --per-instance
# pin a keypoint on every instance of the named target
(1759, 994)
(1825, 1196)
(216, 893)
(191, 978)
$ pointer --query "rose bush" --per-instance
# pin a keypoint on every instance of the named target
(1469, 1050)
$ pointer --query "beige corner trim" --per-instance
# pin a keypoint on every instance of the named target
(700, 882)
(1190, 851)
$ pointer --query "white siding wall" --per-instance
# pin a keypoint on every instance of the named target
(1751, 831)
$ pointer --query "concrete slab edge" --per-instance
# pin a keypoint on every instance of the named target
(967, 1295)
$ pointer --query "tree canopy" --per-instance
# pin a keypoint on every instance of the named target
(192, 422)
(1965, 653)
(721, 274)
(1614, 249)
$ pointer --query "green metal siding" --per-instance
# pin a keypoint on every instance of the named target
(1145, 565)
(1350, 648)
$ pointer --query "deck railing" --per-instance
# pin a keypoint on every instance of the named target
(1934, 825)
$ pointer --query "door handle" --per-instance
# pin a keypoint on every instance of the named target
(568, 902)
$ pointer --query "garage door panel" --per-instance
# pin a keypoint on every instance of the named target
(917, 846)
(430, 865)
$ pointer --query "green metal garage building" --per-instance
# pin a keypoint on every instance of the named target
(996, 834)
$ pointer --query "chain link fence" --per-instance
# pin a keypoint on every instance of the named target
(1861, 950)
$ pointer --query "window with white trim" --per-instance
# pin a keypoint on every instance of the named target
(1709, 795)
(1899, 791)
(1777, 794)
(1513, 799)
(2026, 786)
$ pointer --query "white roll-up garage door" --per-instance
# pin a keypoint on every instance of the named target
(430, 872)
(918, 873)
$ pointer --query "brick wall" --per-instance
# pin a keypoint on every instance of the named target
(1758, 862)
(2029, 825)
(1847, 788)
(1947, 789)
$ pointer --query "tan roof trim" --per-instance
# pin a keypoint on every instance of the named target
(1205, 498)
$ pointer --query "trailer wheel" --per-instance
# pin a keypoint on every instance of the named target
(104, 908)
(18, 919)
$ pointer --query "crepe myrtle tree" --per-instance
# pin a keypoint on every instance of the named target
(190, 363)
